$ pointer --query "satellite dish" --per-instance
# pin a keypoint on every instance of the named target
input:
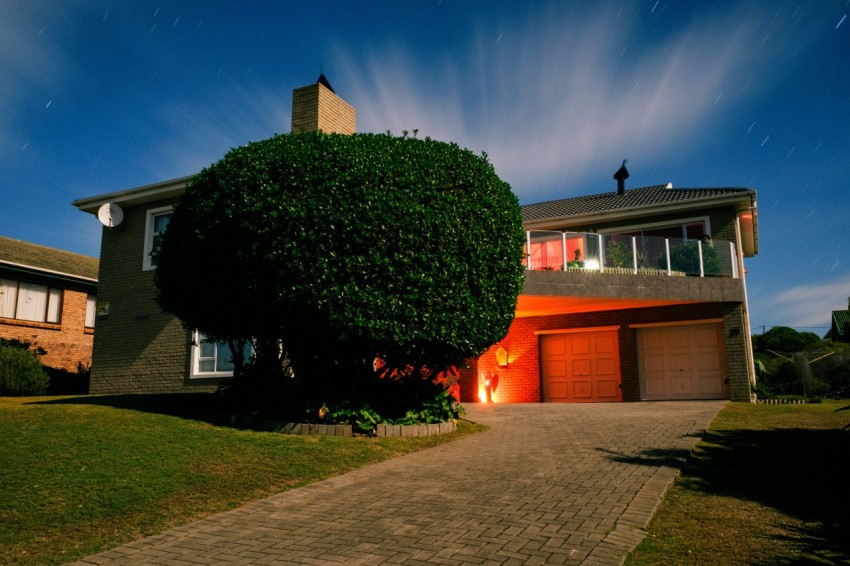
(110, 214)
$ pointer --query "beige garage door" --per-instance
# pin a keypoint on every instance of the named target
(580, 367)
(682, 362)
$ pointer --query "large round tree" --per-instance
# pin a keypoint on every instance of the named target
(347, 250)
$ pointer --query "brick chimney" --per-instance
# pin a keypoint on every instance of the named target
(317, 107)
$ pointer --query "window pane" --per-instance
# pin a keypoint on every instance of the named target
(54, 305)
(695, 230)
(206, 366)
(224, 357)
(8, 297)
(207, 348)
(160, 222)
(32, 302)
(91, 307)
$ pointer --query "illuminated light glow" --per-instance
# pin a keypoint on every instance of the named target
(502, 357)
(591, 264)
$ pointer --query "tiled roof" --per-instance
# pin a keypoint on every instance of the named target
(840, 318)
(42, 258)
(630, 199)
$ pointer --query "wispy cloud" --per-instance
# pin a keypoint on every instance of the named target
(807, 306)
(555, 96)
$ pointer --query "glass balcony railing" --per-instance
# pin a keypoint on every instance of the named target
(621, 253)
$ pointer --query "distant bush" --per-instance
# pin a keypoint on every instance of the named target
(21, 372)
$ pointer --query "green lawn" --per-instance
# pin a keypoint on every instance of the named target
(83, 474)
(769, 484)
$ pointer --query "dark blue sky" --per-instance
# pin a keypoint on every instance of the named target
(100, 96)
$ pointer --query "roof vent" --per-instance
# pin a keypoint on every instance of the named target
(668, 186)
(621, 175)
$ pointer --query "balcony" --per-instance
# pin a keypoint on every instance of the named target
(626, 254)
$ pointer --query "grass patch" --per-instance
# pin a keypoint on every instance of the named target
(769, 484)
(83, 474)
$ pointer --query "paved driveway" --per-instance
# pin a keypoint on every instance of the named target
(547, 484)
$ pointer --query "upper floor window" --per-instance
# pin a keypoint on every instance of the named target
(687, 230)
(30, 301)
(157, 222)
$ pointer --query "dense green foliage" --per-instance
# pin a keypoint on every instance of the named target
(21, 372)
(685, 257)
(346, 249)
(791, 363)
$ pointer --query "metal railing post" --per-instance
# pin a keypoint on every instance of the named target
(667, 249)
(528, 251)
(601, 254)
(564, 250)
(701, 266)
(634, 254)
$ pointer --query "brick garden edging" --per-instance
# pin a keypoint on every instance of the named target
(416, 430)
(383, 430)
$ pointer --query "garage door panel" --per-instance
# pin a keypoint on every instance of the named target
(582, 390)
(579, 345)
(605, 344)
(708, 361)
(606, 366)
(651, 340)
(653, 362)
(682, 385)
(679, 337)
(608, 389)
(711, 385)
(581, 367)
(690, 364)
(706, 336)
(681, 361)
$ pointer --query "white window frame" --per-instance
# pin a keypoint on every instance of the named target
(147, 264)
(196, 372)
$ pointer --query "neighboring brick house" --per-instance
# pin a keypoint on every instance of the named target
(47, 299)
(603, 315)
(138, 348)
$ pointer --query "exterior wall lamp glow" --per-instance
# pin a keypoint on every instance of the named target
(502, 357)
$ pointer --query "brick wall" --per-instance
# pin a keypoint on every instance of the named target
(316, 107)
(68, 343)
(137, 348)
(520, 382)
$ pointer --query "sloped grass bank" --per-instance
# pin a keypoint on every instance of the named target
(768, 485)
(82, 474)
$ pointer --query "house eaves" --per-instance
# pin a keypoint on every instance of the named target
(138, 195)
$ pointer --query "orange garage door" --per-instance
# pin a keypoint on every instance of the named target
(581, 366)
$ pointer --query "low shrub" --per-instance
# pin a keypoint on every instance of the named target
(64, 382)
(21, 372)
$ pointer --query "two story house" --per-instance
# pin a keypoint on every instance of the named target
(47, 300)
(629, 295)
